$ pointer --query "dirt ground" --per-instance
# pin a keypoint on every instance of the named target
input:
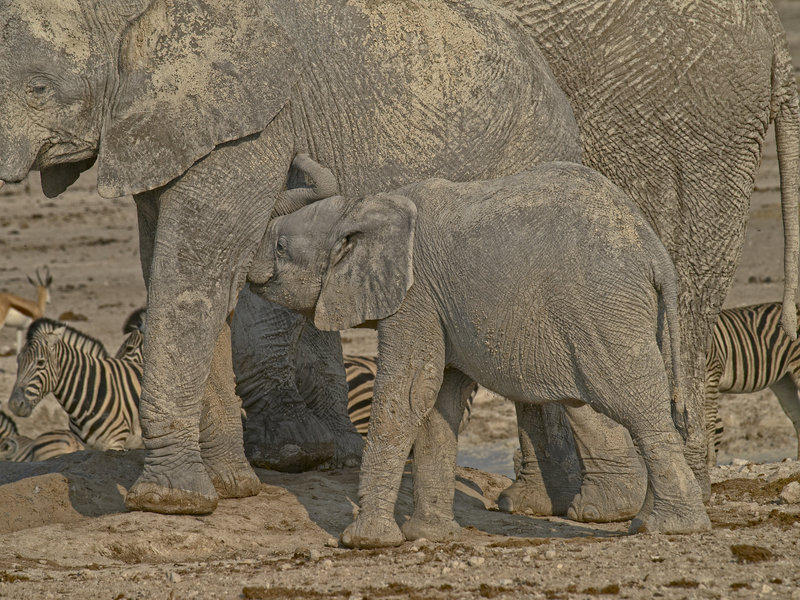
(65, 533)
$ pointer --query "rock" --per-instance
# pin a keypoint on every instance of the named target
(550, 554)
(791, 493)
(476, 561)
(174, 577)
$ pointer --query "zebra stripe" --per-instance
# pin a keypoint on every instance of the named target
(19, 448)
(360, 372)
(7, 426)
(750, 352)
(99, 393)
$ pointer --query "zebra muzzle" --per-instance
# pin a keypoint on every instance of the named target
(19, 404)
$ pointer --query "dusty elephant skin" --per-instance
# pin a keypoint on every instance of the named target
(571, 317)
(198, 108)
(673, 101)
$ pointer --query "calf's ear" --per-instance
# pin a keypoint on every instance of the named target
(370, 262)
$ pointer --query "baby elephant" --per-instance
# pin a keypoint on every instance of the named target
(546, 286)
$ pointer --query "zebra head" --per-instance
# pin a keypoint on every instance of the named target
(38, 368)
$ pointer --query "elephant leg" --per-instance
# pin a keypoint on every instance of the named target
(549, 477)
(435, 462)
(321, 366)
(206, 234)
(280, 431)
(221, 428)
(632, 387)
(786, 389)
(614, 478)
(411, 348)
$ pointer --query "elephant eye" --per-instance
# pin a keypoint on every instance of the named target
(280, 246)
(38, 91)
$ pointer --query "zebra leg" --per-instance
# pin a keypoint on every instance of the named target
(280, 431)
(713, 422)
(550, 475)
(614, 477)
(221, 428)
(786, 389)
(435, 462)
(321, 380)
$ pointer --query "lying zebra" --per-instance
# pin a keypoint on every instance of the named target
(20, 448)
(99, 393)
(750, 352)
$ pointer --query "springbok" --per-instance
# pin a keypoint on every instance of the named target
(19, 312)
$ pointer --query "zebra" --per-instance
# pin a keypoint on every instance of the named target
(7, 426)
(20, 448)
(99, 393)
(749, 352)
(360, 372)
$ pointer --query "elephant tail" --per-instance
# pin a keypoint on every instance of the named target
(665, 281)
(784, 110)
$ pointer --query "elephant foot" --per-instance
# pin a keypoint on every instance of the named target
(436, 530)
(372, 532)
(183, 490)
(349, 448)
(289, 445)
(526, 497)
(609, 497)
(670, 520)
(232, 480)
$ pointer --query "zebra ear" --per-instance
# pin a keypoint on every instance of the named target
(59, 332)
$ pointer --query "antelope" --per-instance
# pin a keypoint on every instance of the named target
(19, 312)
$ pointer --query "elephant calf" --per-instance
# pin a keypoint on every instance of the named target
(546, 286)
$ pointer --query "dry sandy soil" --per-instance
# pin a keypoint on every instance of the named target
(65, 533)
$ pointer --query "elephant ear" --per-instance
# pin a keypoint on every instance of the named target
(370, 263)
(192, 75)
(58, 178)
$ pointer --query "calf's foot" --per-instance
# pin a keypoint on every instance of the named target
(611, 491)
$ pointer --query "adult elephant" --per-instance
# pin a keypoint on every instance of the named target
(673, 100)
(197, 108)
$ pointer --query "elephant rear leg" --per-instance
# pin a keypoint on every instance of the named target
(322, 383)
(614, 479)
(549, 476)
(634, 391)
(435, 453)
(786, 389)
(221, 428)
(280, 431)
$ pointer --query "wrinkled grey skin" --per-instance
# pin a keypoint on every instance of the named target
(197, 110)
(574, 315)
(673, 100)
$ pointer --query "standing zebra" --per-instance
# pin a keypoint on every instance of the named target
(750, 352)
(360, 372)
(99, 393)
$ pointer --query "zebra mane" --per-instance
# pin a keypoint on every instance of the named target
(72, 337)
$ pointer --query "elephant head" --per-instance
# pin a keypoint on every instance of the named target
(339, 261)
(146, 87)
